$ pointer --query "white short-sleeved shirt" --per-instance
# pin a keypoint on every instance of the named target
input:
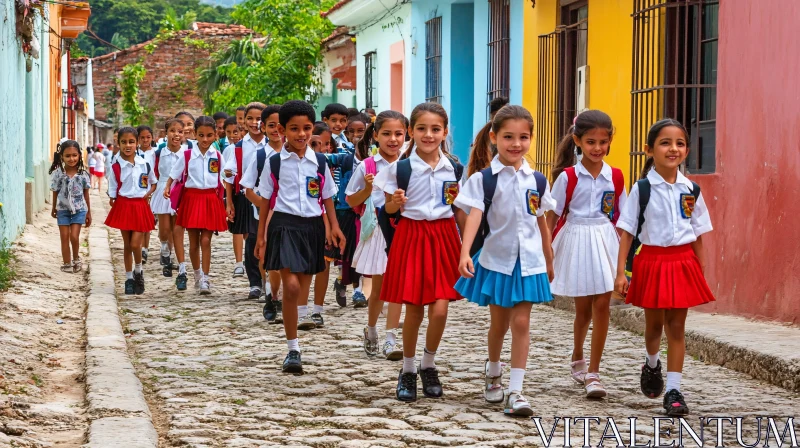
(166, 161)
(590, 197)
(430, 191)
(516, 205)
(134, 177)
(92, 161)
(299, 191)
(357, 183)
(250, 174)
(204, 169)
(99, 162)
(672, 216)
(249, 148)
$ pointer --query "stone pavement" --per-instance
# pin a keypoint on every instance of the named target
(211, 371)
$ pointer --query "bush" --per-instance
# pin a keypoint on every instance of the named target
(7, 260)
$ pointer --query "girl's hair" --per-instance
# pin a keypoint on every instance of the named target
(433, 108)
(482, 150)
(127, 130)
(59, 163)
(652, 135)
(364, 145)
(319, 128)
(204, 120)
(182, 113)
(172, 121)
(143, 127)
(583, 123)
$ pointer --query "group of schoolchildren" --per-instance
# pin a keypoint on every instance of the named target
(384, 198)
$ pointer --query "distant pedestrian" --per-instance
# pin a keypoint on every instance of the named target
(70, 185)
(99, 168)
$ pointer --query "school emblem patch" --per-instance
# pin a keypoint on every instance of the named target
(449, 192)
(532, 201)
(143, 181)
(687, 205)
(213, 166)
(312, 187)
(607, 204)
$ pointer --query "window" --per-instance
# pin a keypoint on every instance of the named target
(499, 50)
(370, 63)
(433, 60)
(675, 76)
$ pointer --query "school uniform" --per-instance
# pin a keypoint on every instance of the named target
(345, 163)
(250, 181)
(667, 272)
(243, 214)
(587, 246)
(422, 266)
(510, 267)
(100, 165)
(130, 210)
(296, 232)
(166, 160)
(201, 204)
(369, 257)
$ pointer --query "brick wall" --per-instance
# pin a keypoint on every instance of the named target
(170, 83)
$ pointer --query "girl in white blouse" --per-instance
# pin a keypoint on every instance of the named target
(669, 215)
(164, 159)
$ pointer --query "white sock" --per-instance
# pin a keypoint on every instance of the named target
(318, 309)
(181, 268)
(358, 287)
(674, 381)
(144, 251)
(164, 249)
(495, 368)
(129, 275)
(372, 332)
(515, 383)
(427, 359)
(137, 268)
(391, 337)
(198, 274)
(652, 360)
(294, 344)
(239, 264)
(302, 311)
(410, 365)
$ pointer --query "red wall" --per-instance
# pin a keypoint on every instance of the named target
(754, 251)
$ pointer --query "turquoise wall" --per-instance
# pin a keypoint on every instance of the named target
(462, 79)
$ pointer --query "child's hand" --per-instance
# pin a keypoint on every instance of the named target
(551, 273)
(466, 267)
(399, 197)
(228, 173)
(111, 202)
(261, 248)
(328, 242)
(53, 212)
(166, 193)
(369, 178)
(338, 239)
(88, 219)
(231, 212)
(148, 196)
(621, 284)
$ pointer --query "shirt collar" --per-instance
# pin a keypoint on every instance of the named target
(444, 162)
(196, 152)
(377, 157)
(656, 178)
(285, 154)
(605, 171)
(498, 166)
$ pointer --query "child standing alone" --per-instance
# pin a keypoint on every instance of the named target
(70, 185)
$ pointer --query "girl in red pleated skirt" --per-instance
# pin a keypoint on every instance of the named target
(130, 186)
(668, 215)
(200, 210)
(422, 267)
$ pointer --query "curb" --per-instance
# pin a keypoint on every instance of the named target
(117, 407)
(728, 341)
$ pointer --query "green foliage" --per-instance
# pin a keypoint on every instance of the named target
(75, 51)
(7, 260)
(132, 75)
(120, 41)
(171, 21)
(196, 43)
(284, 69)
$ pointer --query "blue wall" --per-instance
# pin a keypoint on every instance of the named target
(462, 79)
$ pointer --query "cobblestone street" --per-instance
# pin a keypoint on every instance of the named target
(211, 370)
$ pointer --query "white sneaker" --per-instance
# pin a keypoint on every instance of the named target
(392, 351)
(198, 282)
(305, 323)
(238, 271)
(517, 405)
(205, 286)
(493, 390)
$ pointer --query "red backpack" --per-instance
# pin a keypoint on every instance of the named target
(617, 178)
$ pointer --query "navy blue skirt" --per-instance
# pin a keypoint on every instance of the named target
(295, 243)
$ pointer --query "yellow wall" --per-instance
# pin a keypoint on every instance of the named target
(55, 75)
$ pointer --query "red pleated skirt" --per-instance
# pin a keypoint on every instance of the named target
(132, 214)
(667, 278)
(423, 262)
(202, 209)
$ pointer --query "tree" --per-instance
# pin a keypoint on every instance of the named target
(284, 69)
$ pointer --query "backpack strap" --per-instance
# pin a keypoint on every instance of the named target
(158, 160)
(237, 154)
(187, 156)
(458, 168)
(619, 186)
(275, 174)
(541, 184)
(403, 174)
(346, 164)
(117, 169)
(572, 182)
(644, 198)
(370, 167)
(261, 157)
(489, 187)
(322, 164)
(695, 191)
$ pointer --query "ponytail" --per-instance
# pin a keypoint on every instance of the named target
(565, 154)
(363, 145)
(648, 165)
(482, 152)
(57, 163)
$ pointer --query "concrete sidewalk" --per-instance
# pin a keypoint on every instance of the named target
(763, 350)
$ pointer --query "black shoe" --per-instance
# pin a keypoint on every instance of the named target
(318, 320)
(292, 364)
(144, 256)
(431, 387)
(138, 283)
(278, 312)
(674, 404)
(407, 386)
(165, 261)
(166, 271)
(255, 294)
(129, 288)
(340, 291)
(359, 300)
(270, 310)
(180, 282)
(651, 380)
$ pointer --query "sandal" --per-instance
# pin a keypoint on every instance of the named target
(67, 268)
(77, 265)
(578, 370)
(594, 389)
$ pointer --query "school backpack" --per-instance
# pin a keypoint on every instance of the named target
(369, 168)
(237, 154)
(617, 178)
(158, 158)
(275, 173)
(644, 198)
(345, 168)
(489, 187)
(388, 222)
(117, 169)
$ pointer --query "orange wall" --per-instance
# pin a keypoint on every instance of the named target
(55, 76)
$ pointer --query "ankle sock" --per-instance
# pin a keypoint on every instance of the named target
(164, 249)
(673, 381)
(181, 268)
(198, 274)
(495, 368)
(239, 264)
(372, 332)
(390, 336)
(515, 383)
(410, 365)
(145, 251)
(427, 359)
(302, 311)
(294, 344)
(652, 360)
(358, 286)
(129, 275)
(137, 268)
(318, 309)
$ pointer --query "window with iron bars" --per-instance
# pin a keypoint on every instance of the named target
(370, 87)
(433, 60)
(499, 50)
(675, 76)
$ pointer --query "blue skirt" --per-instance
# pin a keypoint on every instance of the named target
(493, 288)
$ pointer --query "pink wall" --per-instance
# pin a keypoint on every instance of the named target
(754, 251)
(397, 57)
